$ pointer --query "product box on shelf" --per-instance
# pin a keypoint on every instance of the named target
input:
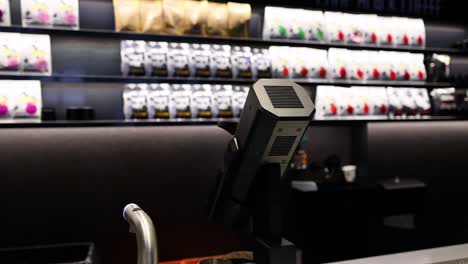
(10, 55)
(239, 96)
(221, 65)
(444, 101)
(318, 63)
(7, 99)
(390, 62)
(5, 16)
(298, 24)
(362, 99)
(36, 54)
(403, 30)
(222, 101)
(299, 59)
(394, 103)
(132, 54)
(261, 63)
(326, 102)
(356, 28)
(156, 59)
(338, 27)
(374, 66)
(417, 33)
(379, 101)
(338, 63)
(416, 67)
(202, 101)
(422, 101)
(346, 102)
(371, 29)
(200, 60)
(280, 61)
(50, 13)
(276, 23)
(151, 14)
(356, 64)
(127, 15)
(388, 30)
(217, 21)
(158, 99)
(28, 99)
(181, 101)
(241, 62)
(239, 15)
(135, 101)
(315, 28)
(178, 59)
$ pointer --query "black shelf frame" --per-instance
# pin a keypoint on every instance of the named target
(223, 40)
(191, 80)
(24, 123)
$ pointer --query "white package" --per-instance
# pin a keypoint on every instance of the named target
(356, 65)
(178, 60)
(373, 65)
(200, 60)
(241, 62)
(158, 99)
(388, 31)
(201, 101)
(372, 28)
(276, 24)
(65, 13)
(36, 54)
(261, 63)
(222, 101)
(280, 61)
(417, 33)
(7, 99)
(135, 101)
(395, 106)
(10, 53)
(239, 96)
(317, 63)
(28, 99)
(346, 102)
(326, 102)
(362, 100)
(132, 57)
(402, 33)
(181, 100)
(356, 28)
(221, 63)
(422, 101)
(337, 61)
(299, 24)
(156, 59)
(5, 16)
(337, 27)
(37, 13)
(378, 101)
(416, 67)
(389, 65)
(315, 29)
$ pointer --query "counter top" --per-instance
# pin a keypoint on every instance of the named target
(445, 255)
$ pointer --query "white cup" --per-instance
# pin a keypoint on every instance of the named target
(349, 173)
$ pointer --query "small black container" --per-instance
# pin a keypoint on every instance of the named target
(48, 114)
(80, 113)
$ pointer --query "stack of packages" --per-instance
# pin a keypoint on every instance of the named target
(165, 101)
(50, 13)
(20, 99)
(371, 102)
(180, 17)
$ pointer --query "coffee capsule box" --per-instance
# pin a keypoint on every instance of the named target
(200, 60)
(356, 65)
(261, 63)
(346, 102)
(158, 99)
(5, 16)
(394, 102)
(315, 28)
(362, 100)
(337, 27)
(37, 13)
(36, 54)
(27, 99)
(356, 28)
(338, 64)
(372, 29)
(326, 102)
(280, 61)
(388, 31)
(276, 24)
(132, 54)
(421, 100)
(178, 60)
(181, 101)
(298, 24)
(135, 104)
(378, 99)
(65, 13)
(222, 101)
(241, 62)
(373, 65)
(156, 59)
(417, 69)
(202, 101)
(10, 57)
(221, 64)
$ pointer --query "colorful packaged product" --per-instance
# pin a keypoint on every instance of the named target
(276, 24)
(151, 16)
(156, 59)
(221, 65)
(299, 24)
(27, 99)
(280, 61)
(337, 27)
(389, 30)
(195, 15)
(181, 98)
(338, 63)
(417, 33)
(378, 101)
(200, 65)
(371, 29)
(239, 15)
(5, 16)
(241, 63)
(326, 101)
(394, 103)
(374, 65)
(357, 28)
(178, 59)
(65, 13)
(217, 20)
(7, 99)
(346, 102)
(315, 25)
(222, 101)
(417, 69)
(132, 54)
(239, 96)
(174, 16)
(135, 101)
(421, 99)
(10, 55)
(36, 13)
(356, 64)
(127, 15)
(362, 99)
(201, 101)
(261, 63)
(158, 99)
(36, 54)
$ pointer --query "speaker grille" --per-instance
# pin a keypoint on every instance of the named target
(283, 97)
(282, 146)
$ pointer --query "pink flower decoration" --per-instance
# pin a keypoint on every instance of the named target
(31, 108)
(43, 16)
(70, 18)
(3, 109)
(41, 65)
